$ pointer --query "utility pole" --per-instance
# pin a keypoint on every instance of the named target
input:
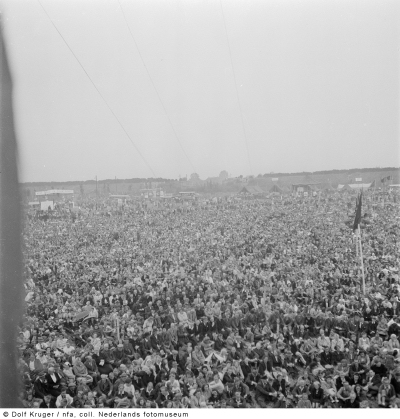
(362, 259)
(96, 192)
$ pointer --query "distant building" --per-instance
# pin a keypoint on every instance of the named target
(55, 195)
(305, 187)
(215, 180)
(121, 199)
(188, 196)
(151, 193)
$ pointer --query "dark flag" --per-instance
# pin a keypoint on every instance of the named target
(357, 218)
(384, 179)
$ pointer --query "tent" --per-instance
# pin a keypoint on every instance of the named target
(343, 188)
(251, 190)
(356, 186)
(328, 188)
(278, 189)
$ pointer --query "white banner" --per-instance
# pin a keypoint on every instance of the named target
(44, 205)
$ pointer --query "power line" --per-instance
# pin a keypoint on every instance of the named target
(98, 91)
(237, 92)
(154, 87)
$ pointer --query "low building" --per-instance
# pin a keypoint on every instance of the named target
(305, 187)
(121, 199)
(55, 195)
(188, 196)
(151, 193)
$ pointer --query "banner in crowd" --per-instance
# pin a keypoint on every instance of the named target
(81, 315)
(44, 205)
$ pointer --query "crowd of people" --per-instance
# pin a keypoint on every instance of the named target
(239, 303)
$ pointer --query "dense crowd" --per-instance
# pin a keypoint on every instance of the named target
(234, 303)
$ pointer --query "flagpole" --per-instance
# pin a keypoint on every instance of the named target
(357, 243)
(362, 260)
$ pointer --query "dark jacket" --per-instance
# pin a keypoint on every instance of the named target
(263, 390)
(326, 358)
(51, 384)
(316, 395)
(52, 405)
(40, 389)
(280, 386)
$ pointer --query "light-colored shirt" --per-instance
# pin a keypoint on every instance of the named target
(217, 386)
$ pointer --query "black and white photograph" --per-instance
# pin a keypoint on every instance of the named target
(199, 206)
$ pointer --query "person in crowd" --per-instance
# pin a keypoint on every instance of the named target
(304, 402)
(316, 394)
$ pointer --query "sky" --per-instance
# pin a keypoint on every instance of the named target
(166, 88)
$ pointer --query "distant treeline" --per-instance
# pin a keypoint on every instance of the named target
(334, 172)
(93, 181)
(147, 180)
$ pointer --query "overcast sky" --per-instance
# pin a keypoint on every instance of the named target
(289, 85)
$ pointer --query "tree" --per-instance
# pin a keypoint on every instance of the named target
(194, 177)
(223, 175)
